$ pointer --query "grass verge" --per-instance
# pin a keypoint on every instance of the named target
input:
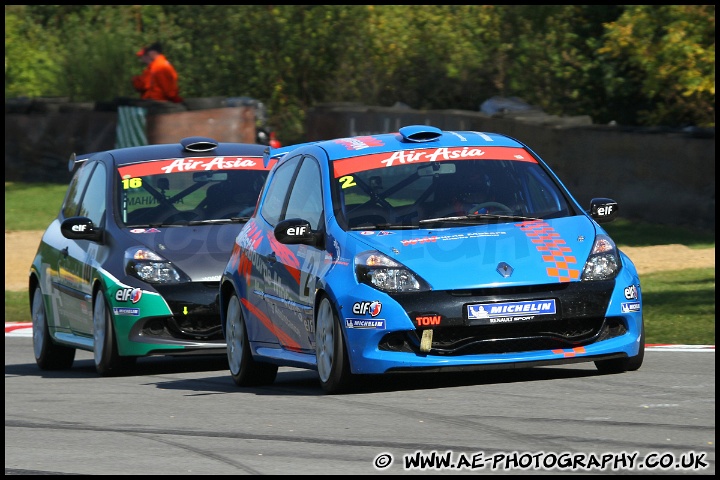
(32, 206)
(633, 233)
(679, 306)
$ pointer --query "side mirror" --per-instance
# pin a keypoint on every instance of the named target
(80, 228)
(294, 231)
(603, 210)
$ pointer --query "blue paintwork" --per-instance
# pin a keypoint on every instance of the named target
(449, 258)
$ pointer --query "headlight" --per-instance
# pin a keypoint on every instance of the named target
(382, 272)
(150, 267)
(603, 262)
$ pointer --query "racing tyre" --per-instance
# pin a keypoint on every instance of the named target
(629, 364)
(245, 371)
(331, 354)
(48, 355)
(108, 362)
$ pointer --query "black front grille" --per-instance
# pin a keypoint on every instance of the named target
(188, 328)
(507, 338)
(195, 313)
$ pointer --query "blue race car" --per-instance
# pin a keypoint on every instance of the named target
(424, 250)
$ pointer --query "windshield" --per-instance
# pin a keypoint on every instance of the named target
(149, 196)
(458, 191)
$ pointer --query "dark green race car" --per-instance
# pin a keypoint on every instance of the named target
(131, 265)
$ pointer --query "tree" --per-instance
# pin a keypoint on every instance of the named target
(32, 64)
(636, 65)
(671, 51)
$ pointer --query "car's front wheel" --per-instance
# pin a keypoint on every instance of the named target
(48, 355)
(332, 360)
(245, 371)
(108, 361)
(629, 364)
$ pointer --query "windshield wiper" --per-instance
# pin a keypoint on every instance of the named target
(161, 224)
(385, 226)
(219, 220)
(185, 223)
(475, 217)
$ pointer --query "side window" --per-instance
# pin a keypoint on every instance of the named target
(306, 196)
(76, 189)
(277, 191)
(93, 202)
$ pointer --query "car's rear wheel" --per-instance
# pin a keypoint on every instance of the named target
(628, 364)
(332, 360)
(48, 355)
(108, 361)
(245, 371)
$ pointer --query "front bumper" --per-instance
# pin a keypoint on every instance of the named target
(588, 326)
(188, 322)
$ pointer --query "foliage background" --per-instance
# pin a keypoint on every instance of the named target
(636, 65)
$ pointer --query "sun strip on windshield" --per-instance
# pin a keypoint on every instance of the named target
(362, 163)
(192, 164)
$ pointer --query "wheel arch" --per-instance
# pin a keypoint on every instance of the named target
(98, 285)
(227, 288)
(33, 283)
(319, 294)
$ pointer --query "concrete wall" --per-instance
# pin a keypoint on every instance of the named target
(38, 145)
(236, 124)
(658, 175)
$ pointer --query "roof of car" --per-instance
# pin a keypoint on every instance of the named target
(407, 138)
(187, 147)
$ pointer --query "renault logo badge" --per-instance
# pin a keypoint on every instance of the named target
(504, 269)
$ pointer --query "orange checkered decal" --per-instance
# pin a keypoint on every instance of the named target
(555, 253)
(571, 352)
